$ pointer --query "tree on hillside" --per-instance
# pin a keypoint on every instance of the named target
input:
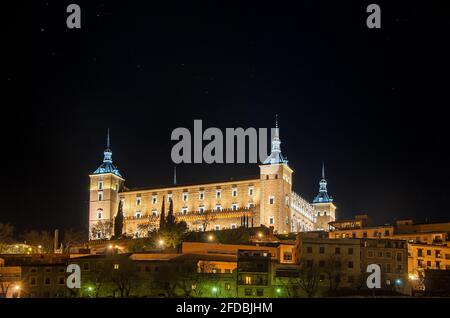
(102, 227)
(207, 218)
(41, 239)
(123, 276)
(6, 236)
(72, 238)
(308, 280)
(333, 270)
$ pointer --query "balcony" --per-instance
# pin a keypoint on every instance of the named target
(213, 213)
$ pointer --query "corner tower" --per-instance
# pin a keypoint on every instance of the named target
(323, 205)
(105, 184)
(276, 188)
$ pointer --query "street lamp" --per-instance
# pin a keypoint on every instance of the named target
(214, 291)
(161, 243)
(210, 237)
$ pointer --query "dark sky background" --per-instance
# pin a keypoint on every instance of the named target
(371, 103)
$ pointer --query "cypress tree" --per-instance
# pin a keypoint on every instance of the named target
(118, 221)
(170, 217)
(162, 219)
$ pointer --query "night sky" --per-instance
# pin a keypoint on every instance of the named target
(371, 103)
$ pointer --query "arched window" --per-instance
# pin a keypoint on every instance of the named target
(99, 214)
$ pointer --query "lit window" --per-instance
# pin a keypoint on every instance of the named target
(271, 200)
(99, 214)
(227, 286)
(201, 195)
(200, 228)
(271, 220)
(287, 220)
(100, 195)
(116, 266)
(100, 185)
(185, 196)
(154, 199)
(287, 200)
(248, 280)
(99, 234)
(169, 197)
(218, 193)
(250, 190)
(234, 192)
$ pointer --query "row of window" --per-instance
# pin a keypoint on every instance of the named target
(437, 264)
(336, 264)
(437, 253)
(101, 185)
(365, 235)
(47, 281)
(381, 254)
(337, 250)
(201, 195)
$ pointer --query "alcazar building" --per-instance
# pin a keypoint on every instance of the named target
(268, 199)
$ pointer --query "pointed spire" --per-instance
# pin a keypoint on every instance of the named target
(175, 175)
(107, 140)
(322, 196)
(107, 165)
(323, 170)
(276, 156)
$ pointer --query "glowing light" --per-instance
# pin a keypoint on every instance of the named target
(39, 246)
(398, 281)
(214, 289)
(110, 247)
(278, 290)
(90, 288)
(260, 234)
(17, 287)
(210, 237)
(161, 242)
(413, 277)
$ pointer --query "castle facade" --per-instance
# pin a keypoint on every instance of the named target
(267, 199)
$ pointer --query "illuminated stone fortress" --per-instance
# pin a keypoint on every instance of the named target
(267, 199)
